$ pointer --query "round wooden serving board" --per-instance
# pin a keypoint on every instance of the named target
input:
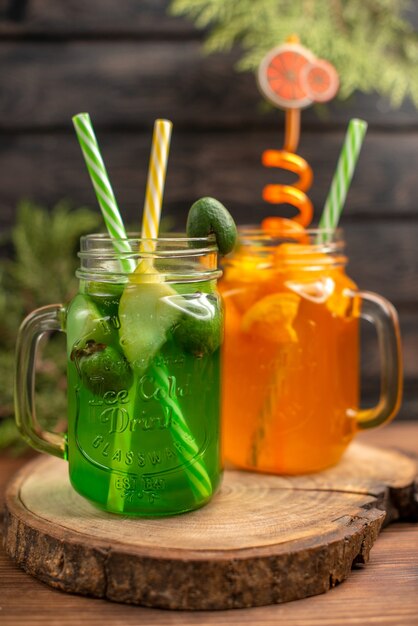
(262, 540)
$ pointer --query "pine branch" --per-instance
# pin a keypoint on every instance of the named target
(41, 271)
(372, 46)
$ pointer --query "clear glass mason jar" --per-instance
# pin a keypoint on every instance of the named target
(143, 354)
(291, 354)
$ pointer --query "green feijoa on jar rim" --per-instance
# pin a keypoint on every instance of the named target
(208, 216)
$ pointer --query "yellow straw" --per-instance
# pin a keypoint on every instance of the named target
(197, 474)
(198, 477)
(155, 183)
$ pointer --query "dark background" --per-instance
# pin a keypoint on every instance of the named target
(127, 62)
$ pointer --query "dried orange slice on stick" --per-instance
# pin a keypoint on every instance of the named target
(320, 80)
(291, 77)
(279, 76)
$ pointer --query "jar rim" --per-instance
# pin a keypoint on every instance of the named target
(99, 242)
(174, 256)
(255, 230)
(329, 242)
(325, 239)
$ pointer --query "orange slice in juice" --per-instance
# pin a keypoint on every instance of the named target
(245, 277)
(341, 303)
(272, 317)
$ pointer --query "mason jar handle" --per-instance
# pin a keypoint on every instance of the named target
(382, 314)
(35, 325)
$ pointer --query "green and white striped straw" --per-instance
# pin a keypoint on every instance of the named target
(180, 432)
(347, 162)
(102, 187)
(197, 474)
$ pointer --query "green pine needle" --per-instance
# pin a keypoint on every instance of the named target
(41, 272)
(373, 47)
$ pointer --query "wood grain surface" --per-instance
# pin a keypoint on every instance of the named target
(384, 592)
(262, 540)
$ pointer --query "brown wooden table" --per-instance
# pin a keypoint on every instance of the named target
(383, 592)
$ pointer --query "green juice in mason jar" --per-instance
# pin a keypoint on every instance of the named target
(128, 437)
(143, 350)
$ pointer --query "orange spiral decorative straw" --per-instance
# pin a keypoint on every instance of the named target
(294, 195)
(286, 159)
(292, 78)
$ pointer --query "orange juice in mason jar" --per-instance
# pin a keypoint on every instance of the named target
(291, 353)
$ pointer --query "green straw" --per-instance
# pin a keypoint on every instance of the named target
(196, 473)
(102, 187)
(347, 162)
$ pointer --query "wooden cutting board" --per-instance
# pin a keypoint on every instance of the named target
(262, 540)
